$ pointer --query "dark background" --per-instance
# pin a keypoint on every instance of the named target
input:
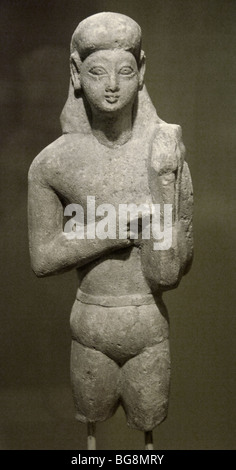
(191, 79)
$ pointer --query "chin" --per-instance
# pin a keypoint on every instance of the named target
(110, 108)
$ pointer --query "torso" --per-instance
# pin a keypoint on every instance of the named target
(81, 167)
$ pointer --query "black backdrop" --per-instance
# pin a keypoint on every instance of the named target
(190, 77)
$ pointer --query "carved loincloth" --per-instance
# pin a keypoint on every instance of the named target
(120, 356)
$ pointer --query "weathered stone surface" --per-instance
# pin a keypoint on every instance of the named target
(115, 148)
(145, 387)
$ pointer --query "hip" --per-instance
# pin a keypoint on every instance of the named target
(120, 332)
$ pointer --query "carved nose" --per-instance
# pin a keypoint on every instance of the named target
(112, 84)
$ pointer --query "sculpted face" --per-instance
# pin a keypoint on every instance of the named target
(110, 80)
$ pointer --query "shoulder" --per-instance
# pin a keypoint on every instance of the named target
(167, 148)
(52, 156)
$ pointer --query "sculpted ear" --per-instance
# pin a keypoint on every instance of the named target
(142, 68)
(75, 64)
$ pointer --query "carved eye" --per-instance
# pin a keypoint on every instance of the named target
(97, 71)
(126, 70)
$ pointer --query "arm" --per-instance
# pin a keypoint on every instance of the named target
(185, 225)
(164, 269)
(170, 183)
(50, 250)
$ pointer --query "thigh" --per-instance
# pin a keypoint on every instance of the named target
(145, 387)
(95, 383)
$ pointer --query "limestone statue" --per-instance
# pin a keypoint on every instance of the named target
(117, 151)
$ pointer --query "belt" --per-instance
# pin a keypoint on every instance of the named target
(115, 300)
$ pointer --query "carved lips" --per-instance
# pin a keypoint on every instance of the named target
(111, 98)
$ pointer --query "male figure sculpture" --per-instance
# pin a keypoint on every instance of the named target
(114, 147)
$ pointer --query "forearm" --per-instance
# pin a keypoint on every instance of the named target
(62, 254)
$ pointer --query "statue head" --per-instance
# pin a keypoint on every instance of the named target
(105, 55)
(107, 62)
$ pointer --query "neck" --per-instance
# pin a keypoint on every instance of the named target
(114, 130)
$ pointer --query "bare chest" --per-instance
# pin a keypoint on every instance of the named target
(114, 176)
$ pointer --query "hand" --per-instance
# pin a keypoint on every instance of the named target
(139, 227)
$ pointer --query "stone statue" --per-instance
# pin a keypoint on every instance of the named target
(116, 150)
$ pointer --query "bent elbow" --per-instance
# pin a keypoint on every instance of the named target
(189, 261)
(45, 261)
(40, 263)
(39, 273)
(40, 269)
